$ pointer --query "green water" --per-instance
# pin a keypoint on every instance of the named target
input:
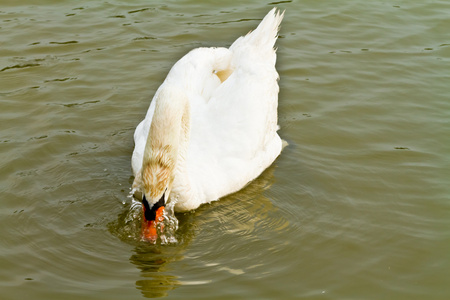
(356, 207)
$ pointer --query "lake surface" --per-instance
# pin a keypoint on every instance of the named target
(356, 207)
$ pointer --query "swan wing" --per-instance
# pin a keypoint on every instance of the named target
(234, 133)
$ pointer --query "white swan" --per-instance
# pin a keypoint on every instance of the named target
(212, 125)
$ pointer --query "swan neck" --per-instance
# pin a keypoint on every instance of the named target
(167, 141)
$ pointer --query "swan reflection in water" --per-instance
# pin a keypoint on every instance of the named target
(154, 261)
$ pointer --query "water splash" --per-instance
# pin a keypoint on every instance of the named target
(166, 229)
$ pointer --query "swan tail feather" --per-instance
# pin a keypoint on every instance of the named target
(266, 34)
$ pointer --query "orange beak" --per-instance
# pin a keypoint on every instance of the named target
(149, 231)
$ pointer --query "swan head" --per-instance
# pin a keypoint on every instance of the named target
(157, 180)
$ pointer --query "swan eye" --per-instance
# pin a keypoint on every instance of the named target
(161, 202)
